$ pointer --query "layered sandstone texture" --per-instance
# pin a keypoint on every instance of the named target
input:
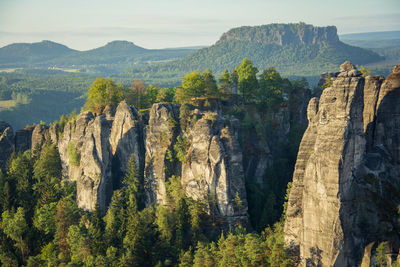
(343, 201)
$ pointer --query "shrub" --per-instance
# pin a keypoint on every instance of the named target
(73, 154)
(181, 146)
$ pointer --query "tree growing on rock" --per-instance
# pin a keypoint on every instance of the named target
(103, 92)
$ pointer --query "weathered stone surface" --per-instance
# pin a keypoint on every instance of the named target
(6, 143)
(348, 158)
(95, 151)
(160, 137)
(214, 168)
(105, 144)
(40, 134)
(125, 139)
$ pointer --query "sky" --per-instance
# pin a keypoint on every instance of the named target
(87, 24)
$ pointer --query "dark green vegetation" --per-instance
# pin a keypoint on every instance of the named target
(28, 97)
(114, 57)
(42, 225)
(294, 49)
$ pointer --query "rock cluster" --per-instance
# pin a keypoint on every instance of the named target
(95, 151)
(343, 200)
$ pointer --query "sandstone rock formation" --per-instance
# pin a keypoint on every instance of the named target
(161, 134)
(6, 143)
(95, 150)
(343, 198)
(212, 167)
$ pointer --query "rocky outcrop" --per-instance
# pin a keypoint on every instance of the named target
(6, 143)
(161, 134)
(95, 151)
(126, 139)
(213, 170)
(342, 201)
(210, 166)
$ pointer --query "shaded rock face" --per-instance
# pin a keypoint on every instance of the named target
(23, 139)
(342, 201)
(6, 143)
(103, 146)
(126, 139)
(213, 168)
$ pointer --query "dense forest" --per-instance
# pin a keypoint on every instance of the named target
(42, 225)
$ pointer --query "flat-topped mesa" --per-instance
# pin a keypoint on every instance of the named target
(342, 199)
(283, 34)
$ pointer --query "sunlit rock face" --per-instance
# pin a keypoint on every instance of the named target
(343, 198)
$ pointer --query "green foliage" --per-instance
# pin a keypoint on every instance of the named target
(184, 115)
(271, 86)
(225, 82)
(247, 79)
(47, 173)
(210, 84)
(44, 219)
(73, 154)
(241, 249)
(166, 94)
(15, 227)
(64, 119)
(328, 81)
(181, 148)
(364, 71)
(103, 92)
(380, 257)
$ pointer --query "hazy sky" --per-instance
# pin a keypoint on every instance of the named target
(86, 24)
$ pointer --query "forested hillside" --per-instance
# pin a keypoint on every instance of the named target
(294, 49)
(114, 57)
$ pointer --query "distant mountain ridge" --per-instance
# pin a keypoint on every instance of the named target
(387, 39)
(115, 56)
(296, 49)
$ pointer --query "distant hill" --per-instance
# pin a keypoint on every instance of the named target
(387, 39)
(23, 54)
(114, 57)
(294, 49)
